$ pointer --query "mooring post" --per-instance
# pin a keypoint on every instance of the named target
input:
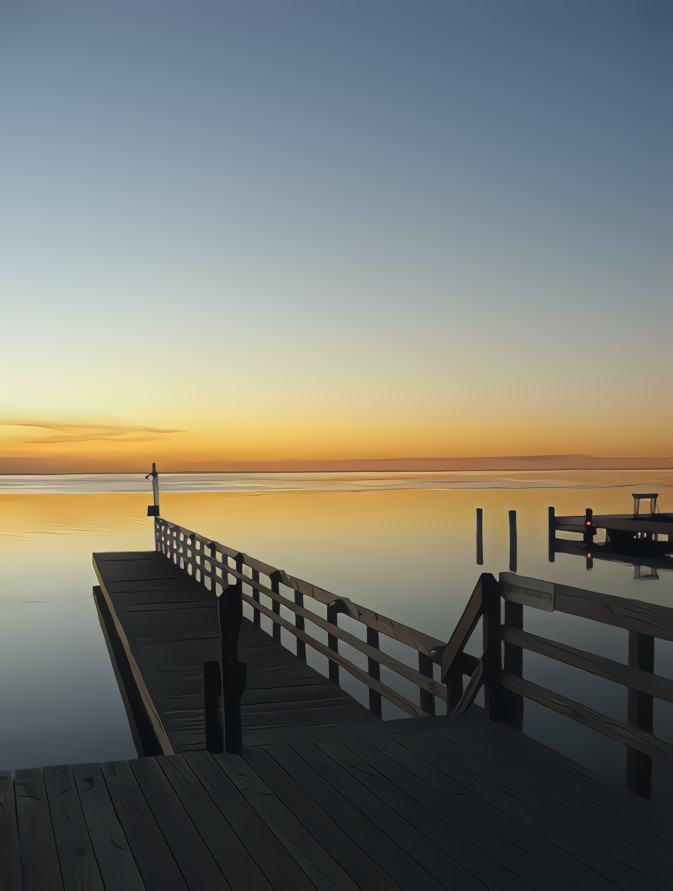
(552, 534)
(480, 537)
(589, 527)
(512, 541)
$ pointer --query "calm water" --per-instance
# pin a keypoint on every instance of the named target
(401, 544)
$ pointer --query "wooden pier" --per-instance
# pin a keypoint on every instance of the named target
(465, 804)
(313, 790)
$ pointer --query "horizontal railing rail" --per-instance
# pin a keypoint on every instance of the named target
(217, 567)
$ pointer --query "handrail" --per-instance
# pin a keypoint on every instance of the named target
(207, 561)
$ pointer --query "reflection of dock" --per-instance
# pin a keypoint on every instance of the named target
(603, 552)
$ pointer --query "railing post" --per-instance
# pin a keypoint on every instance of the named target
(425, 666)
(501, 705)
(299, 625)
(374, 669)
(234, 673)
(256, 617)
(275, 606)
(333, 642)
(640, 715)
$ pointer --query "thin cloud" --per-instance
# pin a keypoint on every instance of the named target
(71, 433)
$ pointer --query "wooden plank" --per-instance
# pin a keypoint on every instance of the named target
(226, 848)
(150, 849)
(188, 848)
(39, 860)
(277, 862)
(10, 858)
(316, 862)
(431, 863)
(440, 851)
(391, 854)
(636, 739)
(79, 866)
(631, 833)
(470, 824)
(632, 677)
(115, 860)
(634, 615)
(557, 841)
(350, 855)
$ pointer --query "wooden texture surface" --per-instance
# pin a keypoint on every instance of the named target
(166, 625)
(433, 803)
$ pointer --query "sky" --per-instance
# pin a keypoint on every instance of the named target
(303, 232)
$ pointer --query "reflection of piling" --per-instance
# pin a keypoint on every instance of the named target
(512, 541)
(552, 534)
(480, 537)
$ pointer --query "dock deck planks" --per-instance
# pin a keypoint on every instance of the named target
(161, 626)
(461, 804)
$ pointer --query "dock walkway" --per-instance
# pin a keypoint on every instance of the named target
(463, 804)
(163, 625)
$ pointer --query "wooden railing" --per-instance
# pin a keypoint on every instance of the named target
(266, 589)
(500, 605)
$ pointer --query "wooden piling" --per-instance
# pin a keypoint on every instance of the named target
(552, 534)
(512, 541)
(480, 537)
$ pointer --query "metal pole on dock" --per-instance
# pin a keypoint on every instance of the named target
(153, 509)
(512, 541)
(480, 537)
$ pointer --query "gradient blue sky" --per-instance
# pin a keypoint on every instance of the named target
(335, 228)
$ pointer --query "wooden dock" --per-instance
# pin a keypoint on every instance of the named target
(161, 626)
(316, 791)
(466, 804)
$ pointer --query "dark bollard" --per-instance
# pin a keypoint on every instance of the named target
(512, 541)
(480, 537)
